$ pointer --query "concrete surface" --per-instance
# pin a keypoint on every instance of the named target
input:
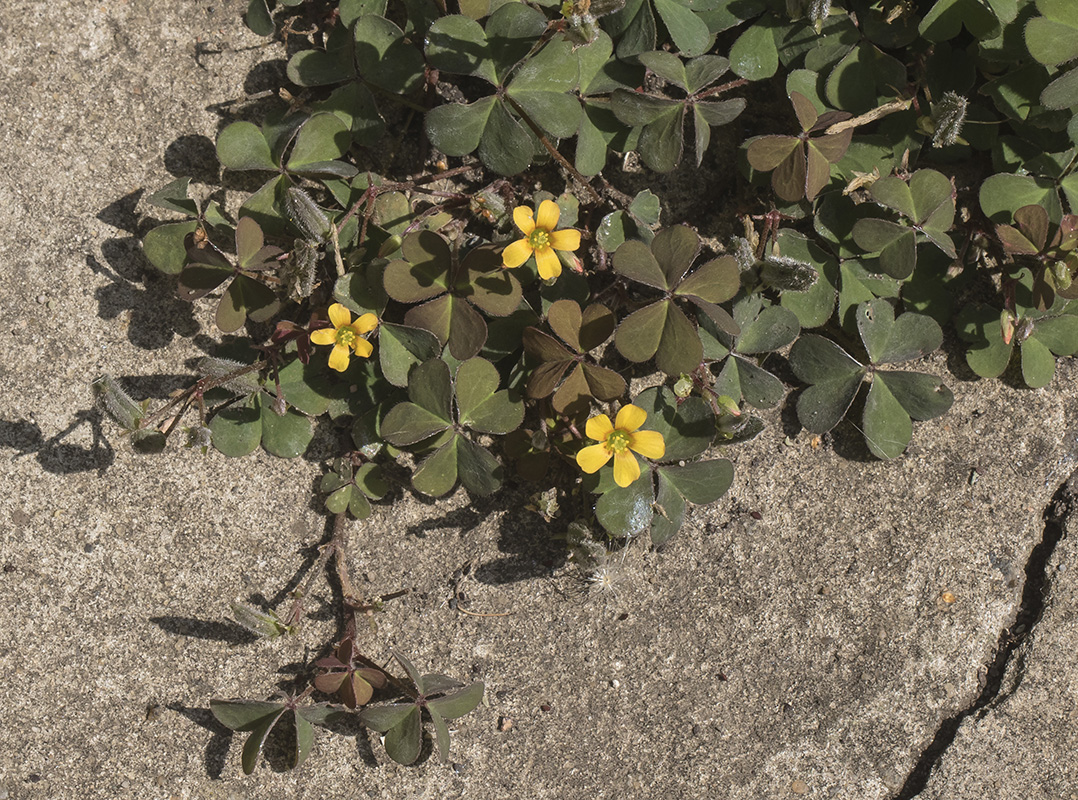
(813, 652)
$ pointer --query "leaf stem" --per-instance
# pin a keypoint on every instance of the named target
(552, 149)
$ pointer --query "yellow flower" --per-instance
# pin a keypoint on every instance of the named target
(345, 335)
(541, 239)
(617, 440)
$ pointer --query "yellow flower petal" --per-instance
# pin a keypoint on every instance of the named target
(324, 336)
(365, 348)
(366, 323)
(568, 239)
(598, 428)
(516, 253)
(626, 468)
(649, 444)
(339, 315)
(522, 216)
(548, 262)
(630, 418)
(592, 458)
(548, 215)
(338, 358)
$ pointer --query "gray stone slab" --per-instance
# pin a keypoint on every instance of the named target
(808, 651)
(1022, 740)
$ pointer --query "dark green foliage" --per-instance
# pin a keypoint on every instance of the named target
(662, 330)
(926, 163)
(834, 378)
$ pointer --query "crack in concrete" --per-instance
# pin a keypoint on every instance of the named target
(1029, 614)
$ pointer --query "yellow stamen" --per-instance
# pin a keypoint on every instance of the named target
(617, 441)
(346, 336)
(539, 239)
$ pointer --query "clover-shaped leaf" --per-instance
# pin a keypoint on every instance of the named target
(582, 332)
(800, 165)
(834, 378)
(245, 296)
(164, 245)
(353, 489)
(451, 288)
(926, 204)
(1035, 334)
(661, 329)
(699, 482)
(762, 329)
(440, 696)
(537, 88)
(238, 429)
(662, 119)
(261, 717)
(480, 406)
(1050, 253)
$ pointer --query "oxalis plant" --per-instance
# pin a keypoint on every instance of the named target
(440, 260)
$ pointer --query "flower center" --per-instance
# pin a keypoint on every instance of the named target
(539, 239)
(617, 441)
(346, 336)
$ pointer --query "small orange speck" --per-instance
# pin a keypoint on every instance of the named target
(948, 597)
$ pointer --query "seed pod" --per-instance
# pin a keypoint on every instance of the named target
(117, 403)
(950, 114)
(306, 215)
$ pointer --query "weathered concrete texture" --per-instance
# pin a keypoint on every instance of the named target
(812, 651)
(1024, 743)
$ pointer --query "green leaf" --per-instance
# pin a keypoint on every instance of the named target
(1003, 194)
(385, 58)
(287, 436)
(480, 473)
(823, 405)
(408, 423)
(627, 511)
(457, 44)
(716, 281)
(863, 77)
(815, 359)
(304, 738)
(1062, 92)
(324, 137)
(701, 482)
(401, 347)
(635, 261)
(507, 147)
(404, 741)
(164, 245)
(511, 32)
(457, 129)
(754, 55)
(1058, 334)
(945, 19)
(252, 748)
(383, 718)
(542, 87)
(245, 715)
(669, 512)
(237, 430)
(441, 733)
(258, 18)
(458, 703)
(690, 33)
(773, 329)
(921, 396)
(680, 350)
(241, 145)
(305, 387)
(887, 427)
(438, 473)
(1053, 40)
(687, 426)
(661, 142)
(759, 387)
(173, 197)
(1038, 363)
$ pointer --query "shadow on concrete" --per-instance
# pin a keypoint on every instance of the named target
(53, 454)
